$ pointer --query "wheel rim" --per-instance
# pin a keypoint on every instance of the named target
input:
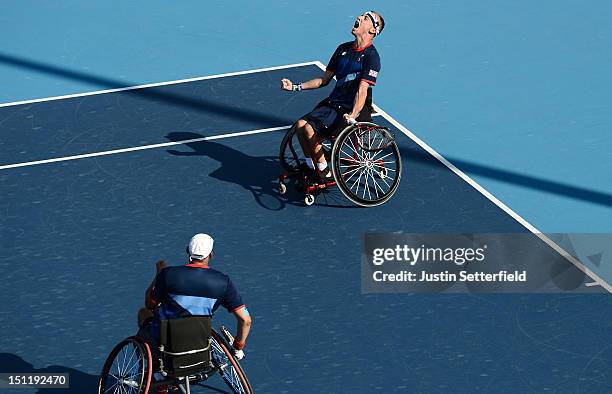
(230, 374)
(366, 177)
(125, 372)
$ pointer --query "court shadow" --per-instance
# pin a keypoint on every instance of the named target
(256, 174)
(79, 382)
(527, 181)
(201, 104)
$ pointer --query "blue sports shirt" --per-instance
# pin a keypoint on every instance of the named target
(352, 65)
(194, 290)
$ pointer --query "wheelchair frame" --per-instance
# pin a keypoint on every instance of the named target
(230, 369)
(375, 167)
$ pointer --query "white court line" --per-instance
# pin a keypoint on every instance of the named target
(143, 147)
(152, 85)
(598, 281)
(408, 133)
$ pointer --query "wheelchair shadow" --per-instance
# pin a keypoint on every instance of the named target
(79, 382)
(252, 173)
(258, 175)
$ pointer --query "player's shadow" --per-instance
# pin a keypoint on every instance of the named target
(258, 175)
(79, 382)
(255, 174)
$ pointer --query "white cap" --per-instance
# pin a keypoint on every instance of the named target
(200, 246)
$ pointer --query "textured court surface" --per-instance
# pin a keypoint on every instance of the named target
(80, 238)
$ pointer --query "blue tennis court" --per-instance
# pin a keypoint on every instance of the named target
(97, 187)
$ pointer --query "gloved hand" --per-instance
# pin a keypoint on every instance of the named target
(350, 120)
(238, 354)
(237, 347)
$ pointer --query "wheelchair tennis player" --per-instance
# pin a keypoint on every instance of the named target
(356, 65)
(193, 289)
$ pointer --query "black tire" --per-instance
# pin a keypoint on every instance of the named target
(290, 152)
(129, 366)
(229, 368)
(378, 170)
(290, 155)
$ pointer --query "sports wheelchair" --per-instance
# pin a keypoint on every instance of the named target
(189, 351)
(365, 162)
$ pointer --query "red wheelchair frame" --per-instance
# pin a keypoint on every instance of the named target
(361, 160)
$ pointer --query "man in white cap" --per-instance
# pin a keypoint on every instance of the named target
(193, 289)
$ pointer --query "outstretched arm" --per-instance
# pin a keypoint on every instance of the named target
(315, 83)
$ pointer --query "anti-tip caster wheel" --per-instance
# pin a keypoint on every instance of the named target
(309, 199)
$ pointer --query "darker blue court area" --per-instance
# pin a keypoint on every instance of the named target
(80, 239)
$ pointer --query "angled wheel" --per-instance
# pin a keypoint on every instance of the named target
(229, 367)
(291, 155)
(127, 369)
(366, 164)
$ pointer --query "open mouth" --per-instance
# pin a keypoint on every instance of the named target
(356, 25)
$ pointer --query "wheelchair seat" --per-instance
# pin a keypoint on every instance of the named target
(184, 346)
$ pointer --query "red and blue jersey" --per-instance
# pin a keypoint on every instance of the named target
(194, 290)
(352, 65)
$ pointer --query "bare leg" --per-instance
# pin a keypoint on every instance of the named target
(299, 125)
(313, 145)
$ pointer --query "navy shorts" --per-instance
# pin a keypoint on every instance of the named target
(327, 120)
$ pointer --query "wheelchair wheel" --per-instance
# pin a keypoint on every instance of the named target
(229, 368)
(128, 368)
(366, 164)
(291, 155)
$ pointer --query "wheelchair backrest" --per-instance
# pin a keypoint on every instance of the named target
(185, 344)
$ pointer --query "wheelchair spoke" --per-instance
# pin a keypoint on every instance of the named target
(383, 165)
(358, 182)
(116, 365)
(386, 168)
(383, 179)
(114, 385)
(351, 171)
(123, 367)
(349, 156)
(377, 186)
(380, 158)
(128, 363)
(367, 187)
(372, 184)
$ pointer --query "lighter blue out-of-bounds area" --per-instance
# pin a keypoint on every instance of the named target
(516, 93)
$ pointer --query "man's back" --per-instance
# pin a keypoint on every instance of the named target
(194, 290)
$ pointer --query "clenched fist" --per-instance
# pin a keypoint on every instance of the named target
(286, 84)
